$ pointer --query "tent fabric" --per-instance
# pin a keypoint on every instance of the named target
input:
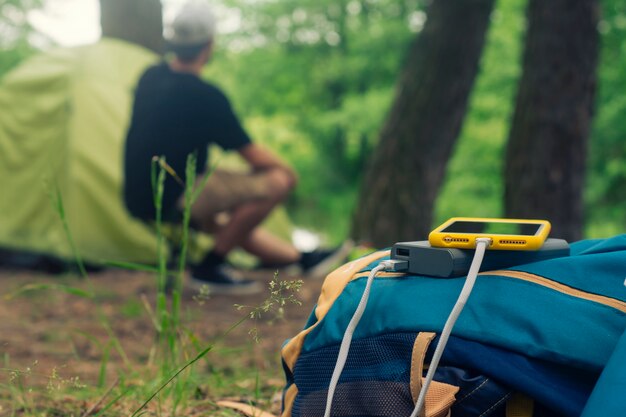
(62, 126)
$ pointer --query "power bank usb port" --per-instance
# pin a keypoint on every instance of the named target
(402, 252)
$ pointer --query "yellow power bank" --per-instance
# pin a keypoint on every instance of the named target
(505, 234)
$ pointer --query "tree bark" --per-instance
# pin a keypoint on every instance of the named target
(407, 169)
(136, 21)
(547, 148)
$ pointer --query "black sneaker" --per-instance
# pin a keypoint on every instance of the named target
(320, 262)
(218, 281)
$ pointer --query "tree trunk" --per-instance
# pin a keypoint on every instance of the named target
(136, 21)
(407, 169)
(547, 148)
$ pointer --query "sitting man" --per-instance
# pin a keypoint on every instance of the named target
(176, 113)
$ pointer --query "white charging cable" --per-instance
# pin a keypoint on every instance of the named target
(396, 265)
(481, 246)
(390, 265)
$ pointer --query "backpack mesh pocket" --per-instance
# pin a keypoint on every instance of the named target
(374, 383)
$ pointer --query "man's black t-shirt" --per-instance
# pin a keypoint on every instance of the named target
(174, 114)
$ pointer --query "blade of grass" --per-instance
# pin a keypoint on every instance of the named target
(203, 182)
(153, 318)
(190, 174)
(257, 385)
(158, 185)
(101, 400)
(114, 401)
(158, 171)
(191, 194)
(199, 356)
(57, 203)
(131, 266)
(41, 287)
(104, 364)
(116, 344)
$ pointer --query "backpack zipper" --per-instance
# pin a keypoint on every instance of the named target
(562, 288)
(535, 279)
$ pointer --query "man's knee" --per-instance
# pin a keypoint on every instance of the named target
(280, 183)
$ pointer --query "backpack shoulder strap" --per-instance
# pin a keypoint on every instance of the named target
(440, 396)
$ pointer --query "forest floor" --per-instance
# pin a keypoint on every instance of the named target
(52, 337)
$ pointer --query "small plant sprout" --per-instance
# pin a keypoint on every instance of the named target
(281, 294)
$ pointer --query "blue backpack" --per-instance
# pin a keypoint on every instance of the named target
(531, 341)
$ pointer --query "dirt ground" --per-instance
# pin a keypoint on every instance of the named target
(49, 331)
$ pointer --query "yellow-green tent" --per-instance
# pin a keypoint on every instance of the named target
(63, 119)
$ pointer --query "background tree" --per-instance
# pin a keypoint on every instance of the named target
(136, 21)
(408, 166)
(546, 154)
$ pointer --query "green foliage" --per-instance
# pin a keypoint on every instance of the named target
(321, 75)
(606, 185)
(15, 31)
(314, 79)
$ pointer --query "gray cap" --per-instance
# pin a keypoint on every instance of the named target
(195, 24)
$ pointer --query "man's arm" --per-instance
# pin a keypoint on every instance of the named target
(260, 158)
